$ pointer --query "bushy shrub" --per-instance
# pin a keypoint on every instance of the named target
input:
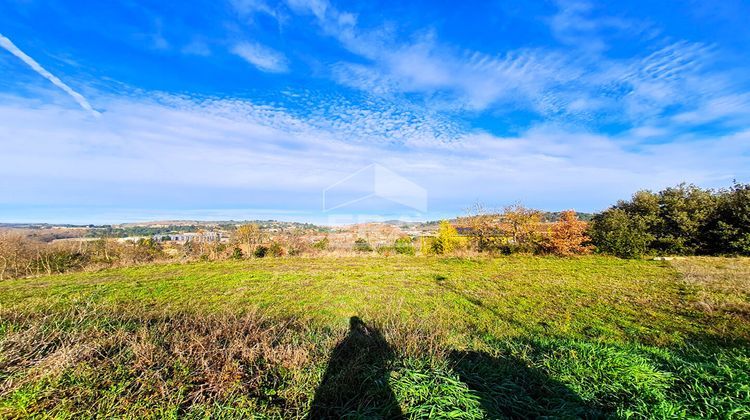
(191, 249)
(295, 243)
(58, 260)
(141, 251)
(276, 250)
(237, 253)
(321, 245)
(404, 246)
(447, 240)
(260, 251)
(361, 245)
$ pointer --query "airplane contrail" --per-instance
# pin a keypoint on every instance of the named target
(11, 47)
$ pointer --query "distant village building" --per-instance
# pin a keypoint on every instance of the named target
(191, 237)
(129, 239)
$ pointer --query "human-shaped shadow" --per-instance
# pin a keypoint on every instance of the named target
(355, 383)
(508, 388)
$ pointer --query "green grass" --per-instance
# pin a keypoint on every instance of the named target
(442, 337)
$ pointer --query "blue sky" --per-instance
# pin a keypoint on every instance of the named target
(121, 111)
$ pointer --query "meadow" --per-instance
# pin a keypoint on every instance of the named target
(381, 337)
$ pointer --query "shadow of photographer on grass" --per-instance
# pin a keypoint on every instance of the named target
(355, 383)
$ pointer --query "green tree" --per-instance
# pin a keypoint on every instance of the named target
(728, 228)
(276, 250)
(684, 211)
(674, 218)
(616, 232)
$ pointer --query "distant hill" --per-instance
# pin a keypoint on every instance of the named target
(50, 231)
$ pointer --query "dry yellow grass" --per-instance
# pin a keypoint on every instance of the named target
(718, 284)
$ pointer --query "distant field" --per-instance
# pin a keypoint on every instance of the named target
(433, 337)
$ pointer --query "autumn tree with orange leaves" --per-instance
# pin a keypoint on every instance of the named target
(568, 236)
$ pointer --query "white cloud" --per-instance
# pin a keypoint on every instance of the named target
(574, 26)
(319, 8)
(13, 49)
(580, 85)
(159, 149)
(731, 108)
(264, 58)
(248, 9)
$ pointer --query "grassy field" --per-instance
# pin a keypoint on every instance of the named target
(381, 337)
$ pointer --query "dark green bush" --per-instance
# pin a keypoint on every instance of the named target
(361, 245)
(260, 251)
(404, 246)
(237, 253)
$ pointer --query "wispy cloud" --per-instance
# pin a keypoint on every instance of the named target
(264, 58)
(576, 82)
(575, 26)
(474, 80)
(13, 49)
(158, 148)
(248, 8)
(595, 123)
(733, 109)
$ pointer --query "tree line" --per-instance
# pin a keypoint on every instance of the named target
(680, 220)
